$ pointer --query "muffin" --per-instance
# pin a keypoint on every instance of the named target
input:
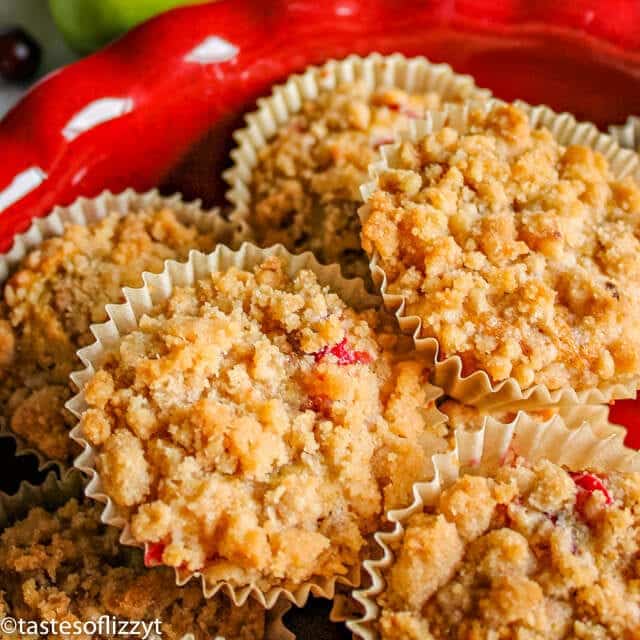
(53, 296)
(68, 566)
(517, 254)
(304, 179)
(535, 551)
(254, 428)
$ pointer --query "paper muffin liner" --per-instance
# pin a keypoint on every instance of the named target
(54, 492)
(483, 451)
(573, 416)
(596, 416)
(124, 319)
(86, 211)
(477, 388)
(51, 493)
(416, 75)
(627, 134)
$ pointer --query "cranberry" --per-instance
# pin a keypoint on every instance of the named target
(153, 554)
(20, 55)
(587, 483)
(344, 354)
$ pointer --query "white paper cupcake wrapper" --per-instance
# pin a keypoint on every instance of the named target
(477, 388)
(55, 492)
(416, 75)
(124, 319)
(52, 493)
(484, 451)
(596, 416)
(627, 134)
(86, 211)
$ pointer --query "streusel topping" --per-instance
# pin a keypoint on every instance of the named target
(68, 566)
(534, 552)
(518, 254)
(56, 293)
(254, 427)
(305, 189)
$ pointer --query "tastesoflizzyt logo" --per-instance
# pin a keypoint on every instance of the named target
(102, 626)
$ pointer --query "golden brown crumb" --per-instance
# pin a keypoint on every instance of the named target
(533, 552)
(305, 189)
(255, 428)
(50, 301)
(67, 565)
(518, 254)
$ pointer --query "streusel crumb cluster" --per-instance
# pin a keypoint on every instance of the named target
(305, 188)
(534, 552)
(254, 427)
(519, 255)
(66, 565)
(53, 297)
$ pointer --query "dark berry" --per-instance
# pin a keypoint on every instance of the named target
(20, 55)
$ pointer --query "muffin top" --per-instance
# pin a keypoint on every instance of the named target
(519, 255)
(254, 427)
(534, 552)
(52, 298)
(68, 566)
(305, 188)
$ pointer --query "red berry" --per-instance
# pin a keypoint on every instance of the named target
(587, 483)
(20, 55)
(153, 554)
(344, 354)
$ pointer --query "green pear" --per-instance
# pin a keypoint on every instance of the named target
(89, 24)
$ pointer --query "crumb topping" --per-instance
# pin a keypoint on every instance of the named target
(535, 552)
(305, 189)
(56, 293)
(252, 427)
(68, 566)
(518, 254)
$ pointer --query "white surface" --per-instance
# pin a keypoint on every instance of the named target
(33, 15)
(22, 184)
(212, 49)
(96, 113)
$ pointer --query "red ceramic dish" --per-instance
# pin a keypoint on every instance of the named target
(157, 107)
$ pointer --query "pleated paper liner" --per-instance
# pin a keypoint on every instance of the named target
(596, 416)
(54, 492)
(415, 75)
(627, 134)
(86, 211)
(477, 388)
(124, 319)
(483, 452)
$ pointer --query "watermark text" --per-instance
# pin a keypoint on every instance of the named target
(102, 626)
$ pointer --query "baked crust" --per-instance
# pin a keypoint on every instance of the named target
(534, 552)
(53, 297)
(305, 188)
(517, 254)
(253, 427)
(68, 566)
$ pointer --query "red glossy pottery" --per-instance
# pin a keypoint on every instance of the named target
(157, 107)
